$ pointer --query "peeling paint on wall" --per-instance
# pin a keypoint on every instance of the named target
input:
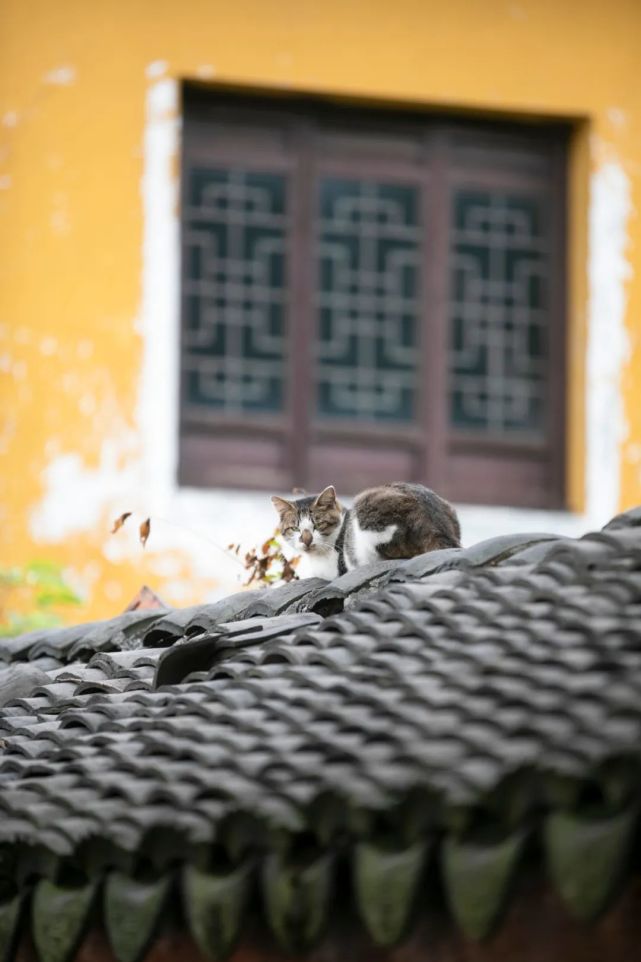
(158, 396)
(156, 69)
(76, 496)
(62, 76)
(607, 351)
(137, 467)
(617, 117)
(199, 524)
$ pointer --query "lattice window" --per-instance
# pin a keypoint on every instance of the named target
(234, 347)
(369, 295)
(369, 253)
(498, 313)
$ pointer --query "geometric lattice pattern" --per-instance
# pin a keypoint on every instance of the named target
(368, 300)
(498, 312)
(234, 349)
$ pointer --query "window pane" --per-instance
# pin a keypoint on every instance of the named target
(235, 297)
(367, 300)
(498, 313)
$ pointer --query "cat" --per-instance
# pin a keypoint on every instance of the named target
(392, 521)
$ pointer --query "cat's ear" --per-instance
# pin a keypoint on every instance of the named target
(281, 505)
(327, 498)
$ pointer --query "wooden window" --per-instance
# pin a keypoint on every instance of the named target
(370, 296)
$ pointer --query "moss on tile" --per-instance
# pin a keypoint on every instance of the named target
(132, 912)
(385, 883)
(477, 877)
(60, 917)
(587, 856)
(214, 905)
(296, 898)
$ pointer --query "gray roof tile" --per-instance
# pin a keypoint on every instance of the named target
(319, 709)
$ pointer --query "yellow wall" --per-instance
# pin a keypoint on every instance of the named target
(73, 83)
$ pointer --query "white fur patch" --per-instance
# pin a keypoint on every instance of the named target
(365, 542)
(318, 564)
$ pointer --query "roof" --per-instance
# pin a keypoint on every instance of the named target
(453, 717)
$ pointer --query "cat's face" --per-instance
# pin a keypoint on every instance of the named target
(310, 524)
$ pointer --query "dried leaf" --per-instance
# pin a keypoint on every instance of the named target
(289, 568)
(118, 523)
(268, 565)
(145, 528)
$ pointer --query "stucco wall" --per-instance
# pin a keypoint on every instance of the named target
(89, 129)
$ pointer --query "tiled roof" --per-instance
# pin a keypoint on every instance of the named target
(462, 713)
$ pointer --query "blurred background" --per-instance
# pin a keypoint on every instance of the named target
(263, 245)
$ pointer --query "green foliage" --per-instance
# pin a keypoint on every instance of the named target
(31, 596)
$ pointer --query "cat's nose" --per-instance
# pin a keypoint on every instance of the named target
(306, 538)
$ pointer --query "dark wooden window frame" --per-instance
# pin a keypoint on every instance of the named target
(302, 138)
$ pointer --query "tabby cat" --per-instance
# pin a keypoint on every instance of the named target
(397, 520)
